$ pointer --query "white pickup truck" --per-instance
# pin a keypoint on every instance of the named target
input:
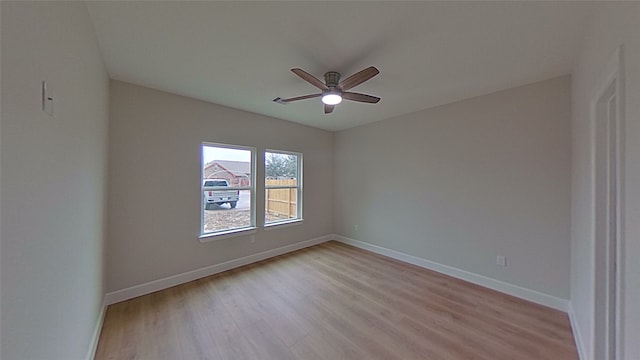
(213, 195)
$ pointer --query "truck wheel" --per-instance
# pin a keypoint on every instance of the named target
(233, 204)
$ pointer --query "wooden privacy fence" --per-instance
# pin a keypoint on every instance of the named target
(282, 202)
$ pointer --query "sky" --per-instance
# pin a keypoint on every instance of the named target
(211, 153)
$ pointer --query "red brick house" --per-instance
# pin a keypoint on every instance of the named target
(238, 173)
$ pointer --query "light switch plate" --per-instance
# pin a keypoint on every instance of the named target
(47, 99)
(501, 260)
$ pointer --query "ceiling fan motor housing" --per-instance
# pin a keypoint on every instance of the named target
(332, 79)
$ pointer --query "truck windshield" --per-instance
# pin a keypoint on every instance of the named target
(215, 183)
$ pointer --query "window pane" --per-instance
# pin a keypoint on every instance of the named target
(226, 201)
(282, 186)
(280, 166)
(280, 204)
(231, 164)
(223, 217)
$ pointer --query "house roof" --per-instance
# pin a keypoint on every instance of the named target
(239, 53)
(237, 168)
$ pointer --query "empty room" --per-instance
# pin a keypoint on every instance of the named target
(319, 180)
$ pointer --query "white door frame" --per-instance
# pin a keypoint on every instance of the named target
(607, 112)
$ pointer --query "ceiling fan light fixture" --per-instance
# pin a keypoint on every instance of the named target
(332, 98)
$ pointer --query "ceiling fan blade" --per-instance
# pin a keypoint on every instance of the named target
(358, 78)
(360, 97)
(303, 97)
(310, 78)
(328, 109)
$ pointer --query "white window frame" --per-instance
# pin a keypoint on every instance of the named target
(299, 191)
(230, 232)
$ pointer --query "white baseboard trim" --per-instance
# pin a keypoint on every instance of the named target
(161, 284)
(510, 289)
(93, 346)
(582, 355)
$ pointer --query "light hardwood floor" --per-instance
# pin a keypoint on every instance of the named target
(332, 301)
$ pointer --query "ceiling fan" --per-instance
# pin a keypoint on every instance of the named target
(334, 90)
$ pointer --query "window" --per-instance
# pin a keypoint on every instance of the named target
(228, 189)
(283, 186)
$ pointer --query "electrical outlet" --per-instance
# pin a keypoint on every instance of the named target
(501, 260)
(252, 239)
(355, 228)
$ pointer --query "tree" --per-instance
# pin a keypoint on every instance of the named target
(280, 165)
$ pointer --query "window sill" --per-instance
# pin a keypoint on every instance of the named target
(282, 224)
(227, 234)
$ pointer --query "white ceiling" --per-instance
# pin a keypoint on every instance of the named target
(239, 54)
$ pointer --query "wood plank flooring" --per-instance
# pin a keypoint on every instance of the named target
(332, 301)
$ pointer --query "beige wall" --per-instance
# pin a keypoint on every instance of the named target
(613, 25)
(154, 182)
(461, 183)
(53, 181)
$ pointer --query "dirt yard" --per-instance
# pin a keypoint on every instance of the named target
(224, 218)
